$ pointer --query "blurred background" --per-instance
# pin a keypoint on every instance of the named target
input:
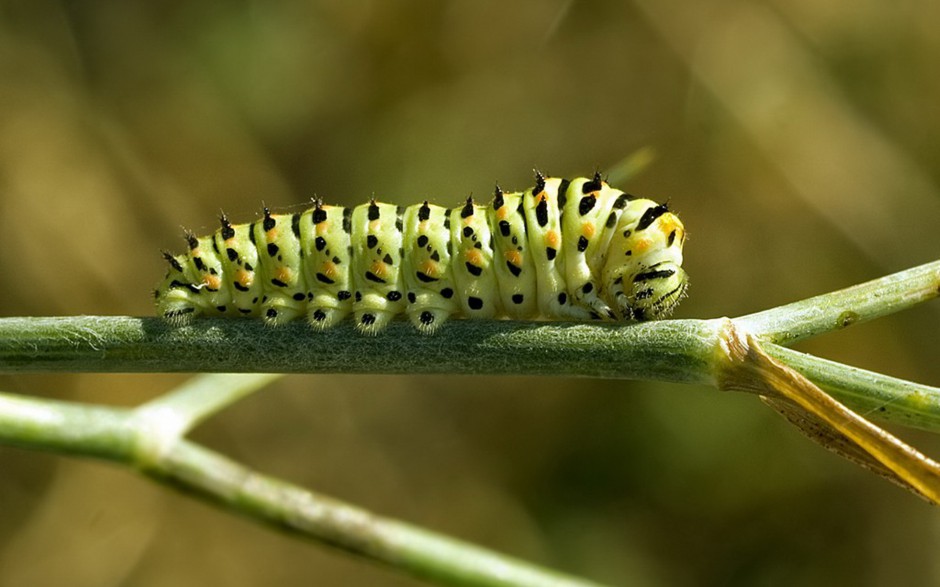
(798, 140)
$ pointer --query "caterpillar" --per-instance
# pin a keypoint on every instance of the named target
(564, 250)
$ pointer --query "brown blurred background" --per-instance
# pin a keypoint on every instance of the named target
(798, 140)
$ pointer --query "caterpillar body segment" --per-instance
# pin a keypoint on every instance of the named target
(240, 262)
(376, 265)
(473, 271)
(563, 250)
(588, 224)
(277, 240)
(428, 267)
(543, 205)
(513, 264)
(325, 243)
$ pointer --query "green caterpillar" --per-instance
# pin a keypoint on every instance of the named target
(564, 250)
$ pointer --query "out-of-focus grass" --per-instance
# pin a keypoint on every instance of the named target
(797, 141)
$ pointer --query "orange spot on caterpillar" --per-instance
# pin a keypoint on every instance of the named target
(552, 238)
(514, 257)
(379, 269)
(244, 278)
(429, 268)
(588, 229)
(668, 223)
(212, 281)
(474, 257)
(284, 274)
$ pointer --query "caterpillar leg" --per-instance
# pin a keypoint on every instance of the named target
(560, 307)
(325, 318)
(276, 311)
(428, 320)
(586, 296)
(372, 321)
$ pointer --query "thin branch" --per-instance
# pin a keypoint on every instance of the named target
(114, 434)
(444, 561)
(836, 310)
(66, 427)
(201, 396)
(872, 395)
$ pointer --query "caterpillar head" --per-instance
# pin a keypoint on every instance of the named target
(653, 293)
(643, 272)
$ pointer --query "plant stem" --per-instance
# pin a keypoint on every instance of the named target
(674, 350)
(872, 395)
(289, 508)
(66, 428)
(834, 311)
(200, 397)
(119, 435)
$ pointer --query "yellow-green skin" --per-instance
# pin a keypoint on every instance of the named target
(563, 250)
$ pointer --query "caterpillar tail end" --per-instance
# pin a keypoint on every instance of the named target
(175, 306)
(178, 316)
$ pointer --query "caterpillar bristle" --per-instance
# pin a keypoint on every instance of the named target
(191, 241)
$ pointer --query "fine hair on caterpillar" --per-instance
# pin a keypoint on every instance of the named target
(562, 250)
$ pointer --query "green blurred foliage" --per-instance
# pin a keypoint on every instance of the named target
(797, 140)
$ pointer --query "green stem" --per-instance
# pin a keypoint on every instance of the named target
(674, 350)
(871, 395)
(289, 508)
(118, 435)
(66, 428)
(834, 311)
(199, 397)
